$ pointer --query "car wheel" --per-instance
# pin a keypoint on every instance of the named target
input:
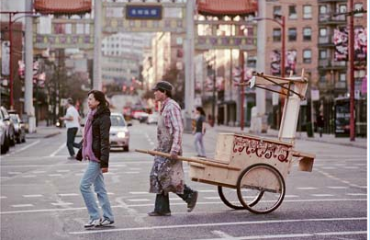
(5, 147)
(12, 141)
(24, 139)
(126, 149)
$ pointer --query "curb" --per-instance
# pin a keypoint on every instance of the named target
(32, 136)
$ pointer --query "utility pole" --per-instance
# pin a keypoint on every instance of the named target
(352, 130)
(97, 81)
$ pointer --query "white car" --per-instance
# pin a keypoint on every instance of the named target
(152, 118)
(119, 135)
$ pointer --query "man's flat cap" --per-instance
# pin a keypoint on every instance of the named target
(163, 85)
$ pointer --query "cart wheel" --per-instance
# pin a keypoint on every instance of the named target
(229, 196)
(261, 188)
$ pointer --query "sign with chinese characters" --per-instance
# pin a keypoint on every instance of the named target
(340, 40)
(52, 41)
(143, 12)
(145, 17)
(225, 42)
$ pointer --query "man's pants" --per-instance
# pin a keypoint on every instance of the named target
(162, 201)
(71, 135)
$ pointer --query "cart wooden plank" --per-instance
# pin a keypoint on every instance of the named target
(204, 161)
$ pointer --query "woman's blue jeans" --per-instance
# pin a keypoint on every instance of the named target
(93, 175)
(198, 143)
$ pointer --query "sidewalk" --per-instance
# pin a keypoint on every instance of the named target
(271, 133)
(43, 131)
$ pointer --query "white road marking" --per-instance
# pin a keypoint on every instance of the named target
(291, 196)
(181, 204)
(131, 172)
(222, 234)
(280, 221)
(138, 200)
(348, 167)
(322, 195)
(61, 204)
(63, 171)
(2, 197)
(207, 191)
(36, 172)
(110, 193)
(337, 187)
(24, 148)
(138, 192)
(68, 194)
(14, 173)
(56, 151)
(338, 179)
(306, 188)
(55, 175)
(293, 235)
(328, 167)
(356, 194)
(32, 196)
(28, 176)
(22, 205)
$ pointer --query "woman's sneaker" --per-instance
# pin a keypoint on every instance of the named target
(106, 223)
(92, 223)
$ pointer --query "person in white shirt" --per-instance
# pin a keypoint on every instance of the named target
(72, 120)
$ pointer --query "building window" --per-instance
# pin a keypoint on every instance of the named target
(292, 34)
(292, 12)
(323, 9)
(307, 12)
(323, 54)
(277, 11)
(357, 7)
(276, 34)
(307, 55)
(322, 78)
(323, 32)
(342, 77)
(307, 32)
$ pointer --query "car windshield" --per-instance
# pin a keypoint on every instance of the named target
(14, 118)
(117, 121)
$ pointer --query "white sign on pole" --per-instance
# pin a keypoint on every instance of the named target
(5, 50)
(275, 99)
(315, 95)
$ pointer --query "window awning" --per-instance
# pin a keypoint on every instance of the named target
(62, 7)
(227, 7)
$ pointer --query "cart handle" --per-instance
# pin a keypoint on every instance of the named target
(187, 159)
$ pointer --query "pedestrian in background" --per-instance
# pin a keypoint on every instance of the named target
(167, 174)
(320, 121)
(95, 149)
(199, 131)
(72, 120)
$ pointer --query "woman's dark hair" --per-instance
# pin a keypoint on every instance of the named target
(100, 97)
(200, 109)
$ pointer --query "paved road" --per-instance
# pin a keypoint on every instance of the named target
(40, 197)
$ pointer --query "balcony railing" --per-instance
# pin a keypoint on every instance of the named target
(331, 64)
(328, 18)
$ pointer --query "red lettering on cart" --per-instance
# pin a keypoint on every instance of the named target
(261, 148)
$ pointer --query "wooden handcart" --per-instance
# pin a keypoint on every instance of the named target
(250, 171)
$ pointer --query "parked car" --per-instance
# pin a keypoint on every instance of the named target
(3, 136)
(119, 133)
(152, 118)
(9, 132)
(19, 127)
(142, 117)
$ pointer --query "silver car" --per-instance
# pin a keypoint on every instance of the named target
(119, 133)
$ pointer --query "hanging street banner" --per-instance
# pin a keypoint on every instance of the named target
(340, 40)
(5, 56)
(360, 44)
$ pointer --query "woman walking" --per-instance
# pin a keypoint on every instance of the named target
(200, 130)
(95, 149)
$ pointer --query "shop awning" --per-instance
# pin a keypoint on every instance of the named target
(227, 7)
(62, 6)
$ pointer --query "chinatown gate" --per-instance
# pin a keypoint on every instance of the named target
(199, 21)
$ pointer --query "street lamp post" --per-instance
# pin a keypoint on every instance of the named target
(10, 23)
(281, 23)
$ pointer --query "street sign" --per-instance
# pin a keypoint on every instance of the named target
(5, 57)
(143, 12)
